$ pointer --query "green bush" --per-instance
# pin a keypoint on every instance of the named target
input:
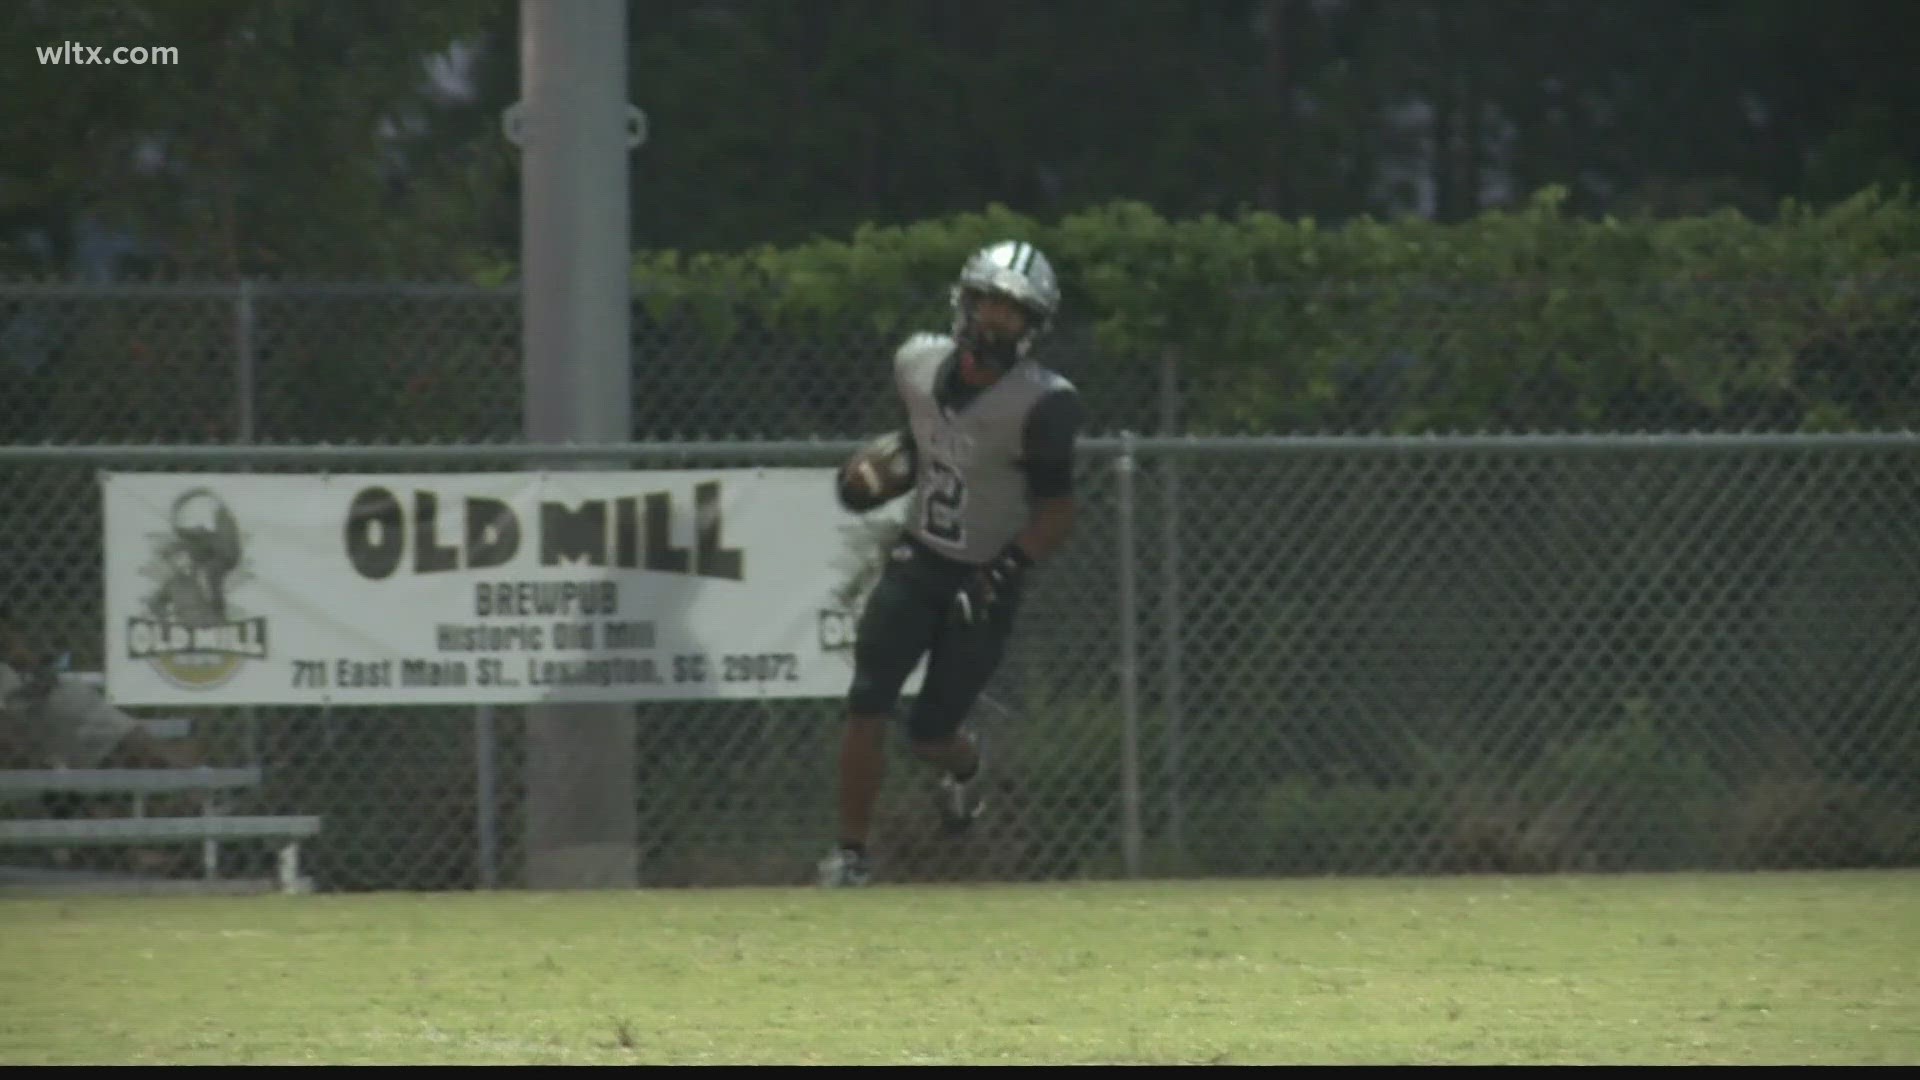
(1533, 318)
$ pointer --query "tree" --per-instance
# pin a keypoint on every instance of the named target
(284, 140)
(298, 135)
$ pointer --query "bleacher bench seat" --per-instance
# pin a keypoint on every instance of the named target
(208, 828)
(33, 783)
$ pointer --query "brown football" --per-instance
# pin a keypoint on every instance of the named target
(880, 471)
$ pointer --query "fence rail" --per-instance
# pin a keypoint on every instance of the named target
(1256, 656)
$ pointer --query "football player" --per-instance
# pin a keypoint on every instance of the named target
(990, 444)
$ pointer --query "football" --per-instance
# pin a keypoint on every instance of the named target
(880, 471)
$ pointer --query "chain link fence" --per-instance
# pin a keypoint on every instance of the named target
(1346, 656)
(1558, 655)
(1365, 655)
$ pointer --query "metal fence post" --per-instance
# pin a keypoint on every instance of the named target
(1171, 630)
(243, 368)
(1125, 465)
(246, 430)
(486, 801)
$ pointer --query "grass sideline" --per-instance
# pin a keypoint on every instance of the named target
(1814, 968)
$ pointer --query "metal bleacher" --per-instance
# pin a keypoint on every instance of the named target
(210, 789)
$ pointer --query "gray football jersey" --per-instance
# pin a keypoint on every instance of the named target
(970, 498)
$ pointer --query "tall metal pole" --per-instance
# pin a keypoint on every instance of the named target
(581, 816)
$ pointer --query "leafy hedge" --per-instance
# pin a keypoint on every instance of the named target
(1530, 319)
(1534, 319)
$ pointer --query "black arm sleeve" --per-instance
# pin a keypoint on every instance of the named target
(1047, 444)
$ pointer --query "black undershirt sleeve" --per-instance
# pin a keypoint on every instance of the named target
(1047, 444)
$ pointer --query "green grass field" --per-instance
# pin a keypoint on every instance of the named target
(1781, 968)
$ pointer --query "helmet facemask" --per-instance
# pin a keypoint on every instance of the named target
(992, 346)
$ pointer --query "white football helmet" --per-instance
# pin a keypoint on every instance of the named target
(1018, 271)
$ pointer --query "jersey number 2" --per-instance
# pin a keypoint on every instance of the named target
(945, 502)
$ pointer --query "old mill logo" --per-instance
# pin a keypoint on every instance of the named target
(191, 632)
